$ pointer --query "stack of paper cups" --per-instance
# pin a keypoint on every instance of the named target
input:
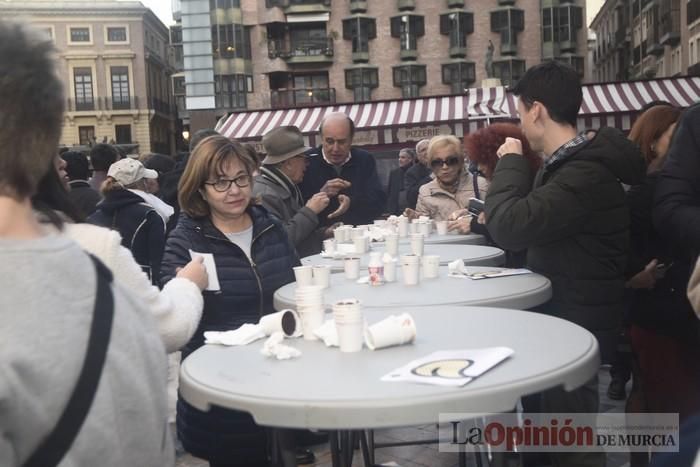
(417, 242)
(361, 245)
(431, 266)
(413, 227)
(309, 302)
(349, 324)
(358, 232)
(329, 245)
(389, 268)
(441, 227)
(410, 269)
(392, 244)
(394, 330)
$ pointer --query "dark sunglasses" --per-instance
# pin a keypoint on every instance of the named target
(450, 162)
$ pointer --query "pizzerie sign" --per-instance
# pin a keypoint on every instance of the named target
(418, 133)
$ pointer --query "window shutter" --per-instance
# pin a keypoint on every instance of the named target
(419, 26)
(348, 28)
(445, 24)
(371, 26)
(396, 26)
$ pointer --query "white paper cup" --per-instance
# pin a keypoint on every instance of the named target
(380, 222)
(359, 243)
(392, 244)
(311, 319)
(431, 266)
(441, 227)
(304, 276)
(329, 245)
(358, 232)
(322, 276)
(339, 234)
(425, 227)
(350, 335)
(410, 269)
(390, 271)
(394, 330)
(417, 242)
(413, 228)
(402, 226)
(309, 296)
(352, 267)
(284, 321)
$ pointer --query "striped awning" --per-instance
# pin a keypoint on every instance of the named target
(605, 103)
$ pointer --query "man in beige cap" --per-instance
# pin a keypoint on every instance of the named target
(276, 187)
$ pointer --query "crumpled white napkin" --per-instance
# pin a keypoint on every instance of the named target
(456, 266)
(242, 336)
(273, 347)
(328, 333)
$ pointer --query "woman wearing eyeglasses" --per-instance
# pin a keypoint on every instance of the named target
(253, 258)
(451, 187)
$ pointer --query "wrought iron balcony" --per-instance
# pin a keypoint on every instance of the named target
(301, 51)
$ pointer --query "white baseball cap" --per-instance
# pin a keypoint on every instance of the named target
(129, 171)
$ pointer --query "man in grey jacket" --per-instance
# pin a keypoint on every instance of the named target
(276, 188)
(47, 304)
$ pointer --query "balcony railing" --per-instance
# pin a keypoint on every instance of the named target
(310, 48)
(283, 98)
(161, 106)
(108, 103)
(670, 28)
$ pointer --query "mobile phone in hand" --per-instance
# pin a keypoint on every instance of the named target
(475, 206)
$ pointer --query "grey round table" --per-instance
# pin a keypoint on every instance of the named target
(435, 239)
(519, 292)
(328, 389)
(470, 254)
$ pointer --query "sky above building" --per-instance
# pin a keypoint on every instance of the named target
(592, 7)
(163, 9)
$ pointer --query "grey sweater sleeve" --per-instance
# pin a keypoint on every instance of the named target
(299, 226)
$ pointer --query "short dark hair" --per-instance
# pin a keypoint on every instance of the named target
(651, 104)
(102, 156)
(31, 109)
(350, 122)
(555, 85)
(77, 165)
(199, 135)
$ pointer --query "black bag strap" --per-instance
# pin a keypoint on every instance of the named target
(51, 450)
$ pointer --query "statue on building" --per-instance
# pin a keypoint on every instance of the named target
(489, 60)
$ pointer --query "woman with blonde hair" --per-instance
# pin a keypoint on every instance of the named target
(253, 258)
(451, 187)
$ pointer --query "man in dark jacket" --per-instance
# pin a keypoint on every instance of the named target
(342, 168)
(417, 175)
(396, 196)
(573, 220)
(81, 193)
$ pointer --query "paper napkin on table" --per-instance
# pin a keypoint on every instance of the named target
(474, 274)
(273, 347)
(328, 333)
(242, 336)
(450, 367)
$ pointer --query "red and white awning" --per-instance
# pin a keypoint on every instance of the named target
(605, 103)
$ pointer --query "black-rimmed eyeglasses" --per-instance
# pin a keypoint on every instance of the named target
(450, 161)
(224, 184)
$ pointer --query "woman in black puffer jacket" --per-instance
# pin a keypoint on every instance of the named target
(253, 258)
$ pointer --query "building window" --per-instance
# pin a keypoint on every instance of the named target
(508, 23)
(230, 91)
(122, 134)
(408, 28)
(457, 25)
(82, 78)
(361, 81)
(86, 135)
(509, 71)
(179, 85)
(409, 78)
(575, 62)
(120, 87)
(570, 21)
(550, 25)
(360, 30)
(459, 75)
(175, 34)
(80, 34)
(308, 41)
(116, 34)
(225, 4)
(231, 41)
(693, 11)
